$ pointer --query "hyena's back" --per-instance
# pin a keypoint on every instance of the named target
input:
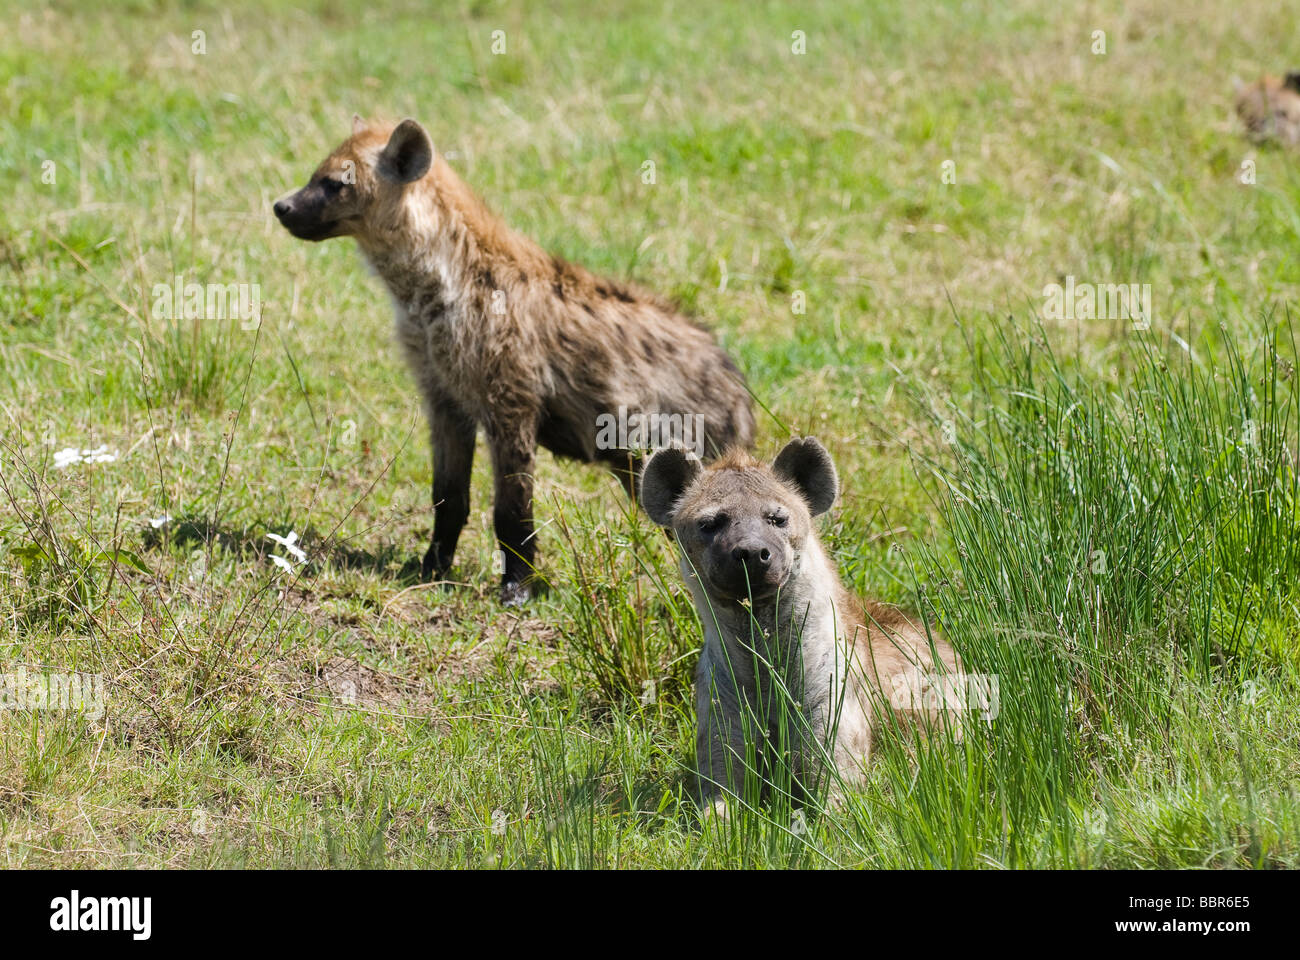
(629, 350)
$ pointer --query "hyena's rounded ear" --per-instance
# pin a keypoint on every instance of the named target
(408, 155)
(805, 463)
(664, 479)
(357, 124)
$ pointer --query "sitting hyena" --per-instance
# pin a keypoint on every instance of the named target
(1270, 109)
(502, 335)
(776, 616)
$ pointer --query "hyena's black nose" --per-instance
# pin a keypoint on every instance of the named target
(282, 207)
(752, 554)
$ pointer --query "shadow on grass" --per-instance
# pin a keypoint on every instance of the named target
(189, 533)
(252, 542)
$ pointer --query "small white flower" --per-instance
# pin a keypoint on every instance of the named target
(282, 563)
(66, 457)
(157, 522)
(289, 543)
(70, 455)
(99, 455)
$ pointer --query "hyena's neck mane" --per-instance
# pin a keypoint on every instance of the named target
(442, 235)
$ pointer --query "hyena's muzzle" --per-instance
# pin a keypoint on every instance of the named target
(313, 213)
(746, 557)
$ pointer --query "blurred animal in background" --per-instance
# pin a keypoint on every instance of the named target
(1270, 109)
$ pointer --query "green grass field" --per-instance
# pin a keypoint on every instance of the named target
(1103, 517)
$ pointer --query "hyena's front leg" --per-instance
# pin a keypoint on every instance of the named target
(513, 455)
(719, 769)
(719, 742)
(453, 434)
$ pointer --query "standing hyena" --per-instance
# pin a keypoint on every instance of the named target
(791, 660)
(502, 335)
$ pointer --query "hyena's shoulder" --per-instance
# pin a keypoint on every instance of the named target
(894, 642)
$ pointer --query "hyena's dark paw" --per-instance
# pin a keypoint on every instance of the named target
(515, 594)
(433, 567)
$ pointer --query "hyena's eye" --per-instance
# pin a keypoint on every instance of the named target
(330, 185)
(713, 523)
(777, 519)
